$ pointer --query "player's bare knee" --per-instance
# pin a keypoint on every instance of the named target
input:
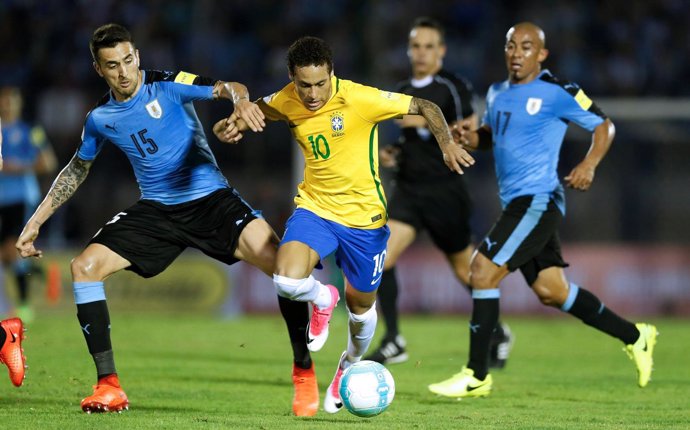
(463, 274)
(84, 268)
(545, 293)
(480, 279)
(360, 302)
(390, 261)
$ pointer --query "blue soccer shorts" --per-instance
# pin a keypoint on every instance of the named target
(360, 253)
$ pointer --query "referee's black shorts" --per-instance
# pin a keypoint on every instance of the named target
(150, 235)
(442, 208)
(525, 236)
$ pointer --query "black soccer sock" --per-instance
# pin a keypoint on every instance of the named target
(3, 337)
(94, 320)
(587, 307)
(388, 301)
(296, 316)
(22, 286)
(498, 334)
(485, 310)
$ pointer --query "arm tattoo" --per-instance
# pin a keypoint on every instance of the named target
(434, 118)
(68, 181)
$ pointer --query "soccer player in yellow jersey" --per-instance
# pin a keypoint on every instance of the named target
(341, 206)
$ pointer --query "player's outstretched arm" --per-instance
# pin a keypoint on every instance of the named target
(64, 186)
(244, 109)
(582, 176)
(454, 155)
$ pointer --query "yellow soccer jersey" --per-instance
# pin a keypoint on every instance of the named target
(340, 146)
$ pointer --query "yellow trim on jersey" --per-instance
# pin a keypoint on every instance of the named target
(582, 99)
(185, 78)
(339, 143)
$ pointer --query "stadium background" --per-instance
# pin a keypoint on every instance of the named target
(628, 238)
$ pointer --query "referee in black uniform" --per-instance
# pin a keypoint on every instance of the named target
(428, 195)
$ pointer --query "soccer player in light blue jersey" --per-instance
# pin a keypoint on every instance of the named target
(185, 199)
(525, 122)
(27, 153)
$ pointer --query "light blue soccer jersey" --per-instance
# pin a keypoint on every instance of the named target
(21, 145)
(160, 133)
(528, 123)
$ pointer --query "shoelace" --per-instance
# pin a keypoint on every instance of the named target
(317, 326)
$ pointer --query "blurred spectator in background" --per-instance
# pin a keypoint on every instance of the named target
(26, 153)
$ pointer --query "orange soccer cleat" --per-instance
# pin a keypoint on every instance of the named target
(107, 396)
(306, 400)
(12, 353)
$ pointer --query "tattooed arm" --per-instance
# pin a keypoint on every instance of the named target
(64, 186)
(453, 154)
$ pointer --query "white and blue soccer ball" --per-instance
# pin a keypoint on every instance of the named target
(367, 388)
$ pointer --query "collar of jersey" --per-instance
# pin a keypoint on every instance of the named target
(536, 79)
(420, 83)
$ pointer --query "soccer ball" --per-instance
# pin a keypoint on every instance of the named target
(367, 388)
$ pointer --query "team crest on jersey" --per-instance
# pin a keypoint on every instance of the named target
(154, 109)
(337, 124)
(533, 105)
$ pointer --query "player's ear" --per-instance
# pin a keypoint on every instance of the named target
(292, 78)
(97, 67)
(543, 53)
(136, 55)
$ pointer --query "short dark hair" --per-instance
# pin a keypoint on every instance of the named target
(309, 51)
(107, 36)
(427, 22)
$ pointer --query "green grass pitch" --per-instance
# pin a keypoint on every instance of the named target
(206, 373)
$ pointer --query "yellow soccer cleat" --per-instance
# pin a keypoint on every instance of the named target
(641, 352)
(463, 384)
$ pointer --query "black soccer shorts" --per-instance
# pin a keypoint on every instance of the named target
(525, 236)
(443, 208)
(150, 235)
